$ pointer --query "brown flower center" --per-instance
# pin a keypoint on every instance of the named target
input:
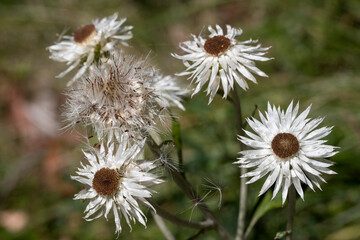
(285, 145)
(106, 181)
(83, 33)
(217, 45)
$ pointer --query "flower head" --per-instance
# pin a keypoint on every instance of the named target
(287, 148)
(116, 180)
(89, 43)
(221, 58)
(123, 95)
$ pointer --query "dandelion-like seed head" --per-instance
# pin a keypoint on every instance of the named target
(285, 145)
(115, 98)
(122, 98)
(106, 181)
(84, 34)
(123, 95)
(217, 45)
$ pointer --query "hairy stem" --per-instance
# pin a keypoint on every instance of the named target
(176, 134)
(180, 179)
(243, 187)
(291, 213)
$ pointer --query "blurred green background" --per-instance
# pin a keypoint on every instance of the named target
(316, 46)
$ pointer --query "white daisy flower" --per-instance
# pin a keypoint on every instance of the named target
(287, 148)
(221, 58)
(89, 43)
(116, 180)
(124, 95)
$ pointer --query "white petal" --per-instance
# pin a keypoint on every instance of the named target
(270, 180)
(297, 184)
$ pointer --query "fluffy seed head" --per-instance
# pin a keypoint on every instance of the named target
(106, 181)
(82, 34)
(122, 99)
(285, 145)
(217, 45)
(122, 95)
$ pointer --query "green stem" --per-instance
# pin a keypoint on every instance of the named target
(291, 213)
(243, 187)
(189, 191)
(176, 134)
(178, 221)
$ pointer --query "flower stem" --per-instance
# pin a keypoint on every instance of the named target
(291, 213)
(178, 221)
(243, 187)
(189, 191)
(176, 134)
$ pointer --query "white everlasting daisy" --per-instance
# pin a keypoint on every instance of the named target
(89, 43)
(221, 58)
(123, 95)
(116, 180)
(287, 148)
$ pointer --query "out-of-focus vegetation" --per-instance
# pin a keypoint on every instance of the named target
(316, 46)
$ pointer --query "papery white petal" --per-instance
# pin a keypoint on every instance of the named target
(108, 33)
(307, 165)
(134, 182)
(234, 64)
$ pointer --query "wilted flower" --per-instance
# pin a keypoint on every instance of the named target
(286, 147)
(123, 95)
(89, 43)
(116, 180)
(221, 58)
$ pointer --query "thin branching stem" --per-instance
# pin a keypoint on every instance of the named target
(189, 191)
(178, 221)
(243, 187)
(177, 140)
(291, 213)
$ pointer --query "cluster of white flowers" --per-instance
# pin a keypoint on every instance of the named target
(123, 98)
(286, 147)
